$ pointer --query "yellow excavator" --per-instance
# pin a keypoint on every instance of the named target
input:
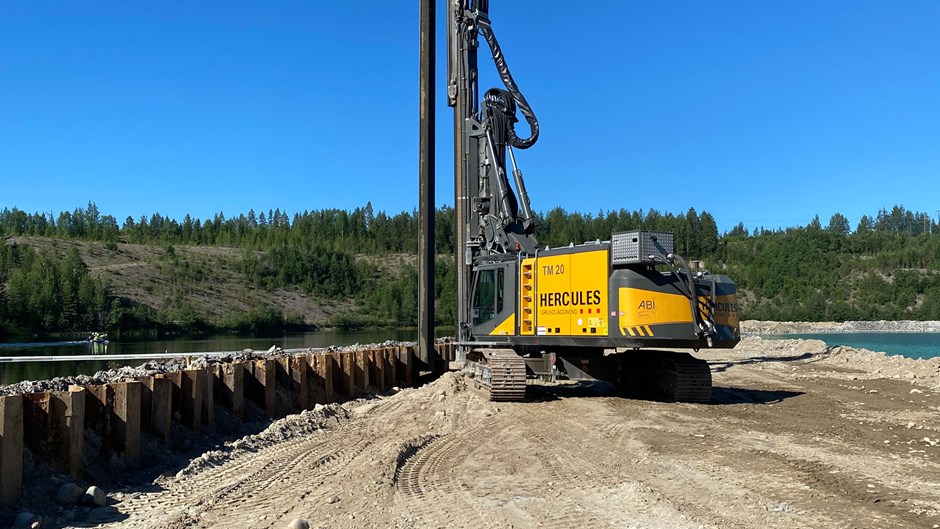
(601, 310)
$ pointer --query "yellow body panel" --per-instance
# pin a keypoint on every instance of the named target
(567, 294)
(726, 311)
(507, 328)
(639, 309)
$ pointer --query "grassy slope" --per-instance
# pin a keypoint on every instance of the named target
(207, 278)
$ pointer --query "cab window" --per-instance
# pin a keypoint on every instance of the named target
(488, 298)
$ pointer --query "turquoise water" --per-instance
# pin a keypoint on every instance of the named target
(909, 344)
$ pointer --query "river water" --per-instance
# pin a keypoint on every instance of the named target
(11, 373)
(909, 344)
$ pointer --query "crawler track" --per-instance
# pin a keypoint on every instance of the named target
(665, 375)
(693, 378)
(501, 374)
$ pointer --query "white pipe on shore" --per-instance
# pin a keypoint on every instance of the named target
(144, 356)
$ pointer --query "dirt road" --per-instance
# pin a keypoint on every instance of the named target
(796, 436)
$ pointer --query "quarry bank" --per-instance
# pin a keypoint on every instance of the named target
(753, 327)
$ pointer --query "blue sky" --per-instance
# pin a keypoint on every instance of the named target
(761, 112)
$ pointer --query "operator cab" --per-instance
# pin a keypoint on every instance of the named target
(493, 305)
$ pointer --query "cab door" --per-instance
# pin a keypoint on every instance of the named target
(493, 300)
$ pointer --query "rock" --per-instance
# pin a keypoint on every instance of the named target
(67, 517)
(95, 496)
(117, 462)
(69, 494)
(108, 513)
(298, 523)
(25, 520)
(332, 499)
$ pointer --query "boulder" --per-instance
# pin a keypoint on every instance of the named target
(95, 496)
(69, 494)
(25, 520)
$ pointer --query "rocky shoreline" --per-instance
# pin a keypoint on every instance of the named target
(864, 363)
(170, 365)
(754, 327)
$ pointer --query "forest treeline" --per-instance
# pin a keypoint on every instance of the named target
(886, 267)
(361, 231)
(41, 291)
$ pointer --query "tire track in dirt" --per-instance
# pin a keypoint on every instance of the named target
(800, 478)
(432, 476)
(185, 495)
(298, 472)
(300, 463)
(559, 466)
(244, 480)
(243, 484)
(632, 425)
(569, 484)
(252, 482)
(589, 479)
(426, 483)
(302, 470)
(845, 493)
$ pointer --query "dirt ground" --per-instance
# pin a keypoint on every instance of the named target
(797, 435)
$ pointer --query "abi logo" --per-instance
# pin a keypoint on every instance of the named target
(647, 304)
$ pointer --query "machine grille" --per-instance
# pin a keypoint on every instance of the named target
(638, 246)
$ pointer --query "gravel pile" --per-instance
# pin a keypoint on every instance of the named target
(150, 368)
(63, 383)
(300, 424)
(356, 346)
(809, 327)
(864, 363)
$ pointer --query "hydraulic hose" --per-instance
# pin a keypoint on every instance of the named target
(499, 59)
(700, 326)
